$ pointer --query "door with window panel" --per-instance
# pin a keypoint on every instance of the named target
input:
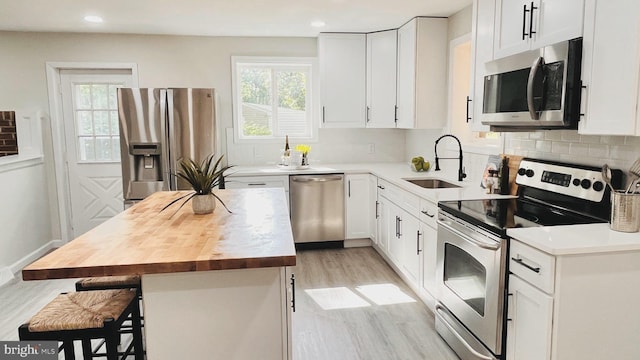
(92, 139)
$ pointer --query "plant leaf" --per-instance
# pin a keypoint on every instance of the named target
(222, 202)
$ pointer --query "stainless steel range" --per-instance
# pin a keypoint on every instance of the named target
(473, 247)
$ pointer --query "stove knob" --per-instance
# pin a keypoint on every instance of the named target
(529, 173)
(585, 183)
(521, 171)
(598, 186)
(576, 182)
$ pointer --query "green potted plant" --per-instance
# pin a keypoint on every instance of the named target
(203, 178)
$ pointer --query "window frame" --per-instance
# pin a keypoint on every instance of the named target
(270, 62)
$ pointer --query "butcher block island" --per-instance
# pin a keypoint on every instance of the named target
(213, 286)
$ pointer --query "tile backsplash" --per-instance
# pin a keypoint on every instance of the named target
(569, 146)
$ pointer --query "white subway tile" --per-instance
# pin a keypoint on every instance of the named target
(590, 139)
(537, 135)
(553, 135)
(598, 150)
(559, 147)
(578, 149)
(543, 145)
(570, 135)
(623, 152)
(528, 144)
(612, 140)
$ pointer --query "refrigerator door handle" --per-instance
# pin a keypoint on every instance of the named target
(171, 139)
(167, 170)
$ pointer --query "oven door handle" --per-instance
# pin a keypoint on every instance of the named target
(480, 244)
(463, 341)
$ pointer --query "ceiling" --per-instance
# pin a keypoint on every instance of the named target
(218, 17)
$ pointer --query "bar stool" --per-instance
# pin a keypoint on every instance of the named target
(109, 282)
(85, 316)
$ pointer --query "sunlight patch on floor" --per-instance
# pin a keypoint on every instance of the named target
(336, 298)
(385, 294)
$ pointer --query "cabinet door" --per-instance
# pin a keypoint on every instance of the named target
(610, 68)
(429, 256)
(556, 21)
(381, 79)
(374, 207)
(406, 75)
(512, 21)
(529, 329)
(411, 246)
(357, 206)
(385, 224)
(395, 234)
(342, 79)
(482, 52)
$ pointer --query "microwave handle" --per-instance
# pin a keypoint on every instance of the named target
(532, 75)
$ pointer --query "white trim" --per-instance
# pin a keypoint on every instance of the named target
(57, 130)
(11, 163)
(8, 273)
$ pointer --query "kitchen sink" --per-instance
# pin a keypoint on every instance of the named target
(432, 183)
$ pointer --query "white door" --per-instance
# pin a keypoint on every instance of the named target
(92, 144)
(357, 206)
(381, 79)
(406, 79)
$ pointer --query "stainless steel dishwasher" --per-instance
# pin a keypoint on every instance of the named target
(317, 207)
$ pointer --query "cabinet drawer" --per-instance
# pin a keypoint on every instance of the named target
(533, 266)
(243, 182)
(428, 213)
(404, 199)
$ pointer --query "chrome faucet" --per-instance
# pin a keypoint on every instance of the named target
(461, 174)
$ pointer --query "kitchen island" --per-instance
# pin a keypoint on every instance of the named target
(214, 286)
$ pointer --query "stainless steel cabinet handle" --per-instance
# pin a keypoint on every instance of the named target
(377, 215)
(418, 242)
(323, 111)
(468, 101)
(349, 188)
(395, 114)
(368, 108)
(427, 213)
(399, 227)
(521, 262)
(257, 184)
(582, 97)
(293, 292)
(381, 187)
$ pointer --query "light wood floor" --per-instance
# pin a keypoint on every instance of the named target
(334, 278)
(395, 331)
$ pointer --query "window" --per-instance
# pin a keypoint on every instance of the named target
(96, 115)
(272, 98)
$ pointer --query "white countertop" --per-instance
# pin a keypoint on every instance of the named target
(391, 172)
(576, 239)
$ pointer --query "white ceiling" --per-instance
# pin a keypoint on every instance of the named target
(218, 17)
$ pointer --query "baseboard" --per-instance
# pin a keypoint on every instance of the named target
(350, 243)
(8, 273)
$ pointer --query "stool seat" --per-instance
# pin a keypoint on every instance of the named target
(81, 310)
(109, 282)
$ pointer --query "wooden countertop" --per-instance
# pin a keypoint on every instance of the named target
(143, 240)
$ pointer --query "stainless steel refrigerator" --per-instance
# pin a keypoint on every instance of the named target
(159, 128)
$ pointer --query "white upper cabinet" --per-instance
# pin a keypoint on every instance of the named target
(610, 68)
(482, 31)
(342, 80)
(381, 79)
(422, 74)
(523, 25)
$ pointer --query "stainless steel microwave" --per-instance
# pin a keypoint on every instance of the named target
(538, 89)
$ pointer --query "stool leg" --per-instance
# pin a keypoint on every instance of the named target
(69, 351)
(87, 351)
(111, 343)
(136, 329)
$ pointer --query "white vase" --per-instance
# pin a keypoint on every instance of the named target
(203, 204)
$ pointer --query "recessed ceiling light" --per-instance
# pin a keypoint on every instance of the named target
(93, 19)
(318, 23)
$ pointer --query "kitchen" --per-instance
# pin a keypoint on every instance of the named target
(160, 61)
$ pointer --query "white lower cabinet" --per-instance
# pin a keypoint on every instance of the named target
(395, 234)
(374, 206)
(357, 200)
(529, 322)
(411, 246)
(575, 306)
(429, 256)
(383, 222)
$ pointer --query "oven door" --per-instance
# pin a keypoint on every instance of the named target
(471, 276)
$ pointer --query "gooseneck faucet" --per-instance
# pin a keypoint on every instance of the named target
(461, 174)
